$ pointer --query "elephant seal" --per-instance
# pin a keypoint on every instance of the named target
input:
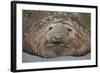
(51, 34)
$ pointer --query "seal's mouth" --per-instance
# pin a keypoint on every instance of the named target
(58, 47)
(56, 40)
(61, 43)
(55, 43)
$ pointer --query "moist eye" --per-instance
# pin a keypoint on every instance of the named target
(69, 29)
(50, 28)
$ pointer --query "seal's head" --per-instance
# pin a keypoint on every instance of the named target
(56, 33)
(59, 39)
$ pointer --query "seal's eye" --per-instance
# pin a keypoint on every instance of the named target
(69, 29)
(50, 28)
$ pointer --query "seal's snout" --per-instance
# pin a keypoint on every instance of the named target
(57, 40)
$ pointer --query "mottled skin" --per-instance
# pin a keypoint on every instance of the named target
(56, 34)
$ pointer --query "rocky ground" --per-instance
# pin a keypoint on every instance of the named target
(26, 58)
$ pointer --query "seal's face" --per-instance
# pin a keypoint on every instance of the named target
(57, 38)
(56, 33)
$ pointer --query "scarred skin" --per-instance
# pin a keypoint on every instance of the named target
(55, 34)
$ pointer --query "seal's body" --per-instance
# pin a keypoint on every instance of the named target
(55, 34)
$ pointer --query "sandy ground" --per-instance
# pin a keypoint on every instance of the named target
(31, 58)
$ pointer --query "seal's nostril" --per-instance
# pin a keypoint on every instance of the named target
(56, 37)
